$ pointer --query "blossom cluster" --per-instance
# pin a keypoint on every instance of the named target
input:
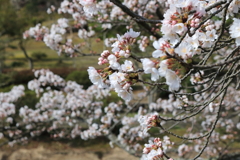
(65, 105)
(57, 108)
(188, 41)
(155, 149)
(7, 107)
(117, 74)
(148, 121)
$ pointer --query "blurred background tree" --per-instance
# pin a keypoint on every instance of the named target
(15, 17)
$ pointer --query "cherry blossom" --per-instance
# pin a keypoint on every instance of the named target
(189, 48)
(95, 77)
(234, 30)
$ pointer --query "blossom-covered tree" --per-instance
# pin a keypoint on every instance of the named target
(185, 49)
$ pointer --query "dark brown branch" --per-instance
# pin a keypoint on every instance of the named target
(215, 5)
(30, 60)
(126, 10)
(220, 35)
(147, 20)
(219, 64)
(213, 126)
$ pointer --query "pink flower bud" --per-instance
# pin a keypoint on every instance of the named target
(196, 20)
(146, 150)
(174, 22)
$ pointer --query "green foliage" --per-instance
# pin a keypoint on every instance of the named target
(229, 22)
(17, 64)
(62, 72)
(29, 99)
(154, 130)
(12, 21)
(32, 6)
(7, 18)
(146, 77)
(16, 77)
(5, 79)
(113, 98)
(6, 88)
(137, 87)
(39, 55)
(112, 32)
(81, 77)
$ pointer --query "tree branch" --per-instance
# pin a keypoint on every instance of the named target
(135, 16)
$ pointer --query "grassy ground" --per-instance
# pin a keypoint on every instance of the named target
(54, 150)
(53, 60)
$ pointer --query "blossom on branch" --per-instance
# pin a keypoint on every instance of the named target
(235, 30)
(149, 67)
(89, 6)
(95, 77)
(155, 149)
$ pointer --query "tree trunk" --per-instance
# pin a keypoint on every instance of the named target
(30, 60)
(1, 66)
